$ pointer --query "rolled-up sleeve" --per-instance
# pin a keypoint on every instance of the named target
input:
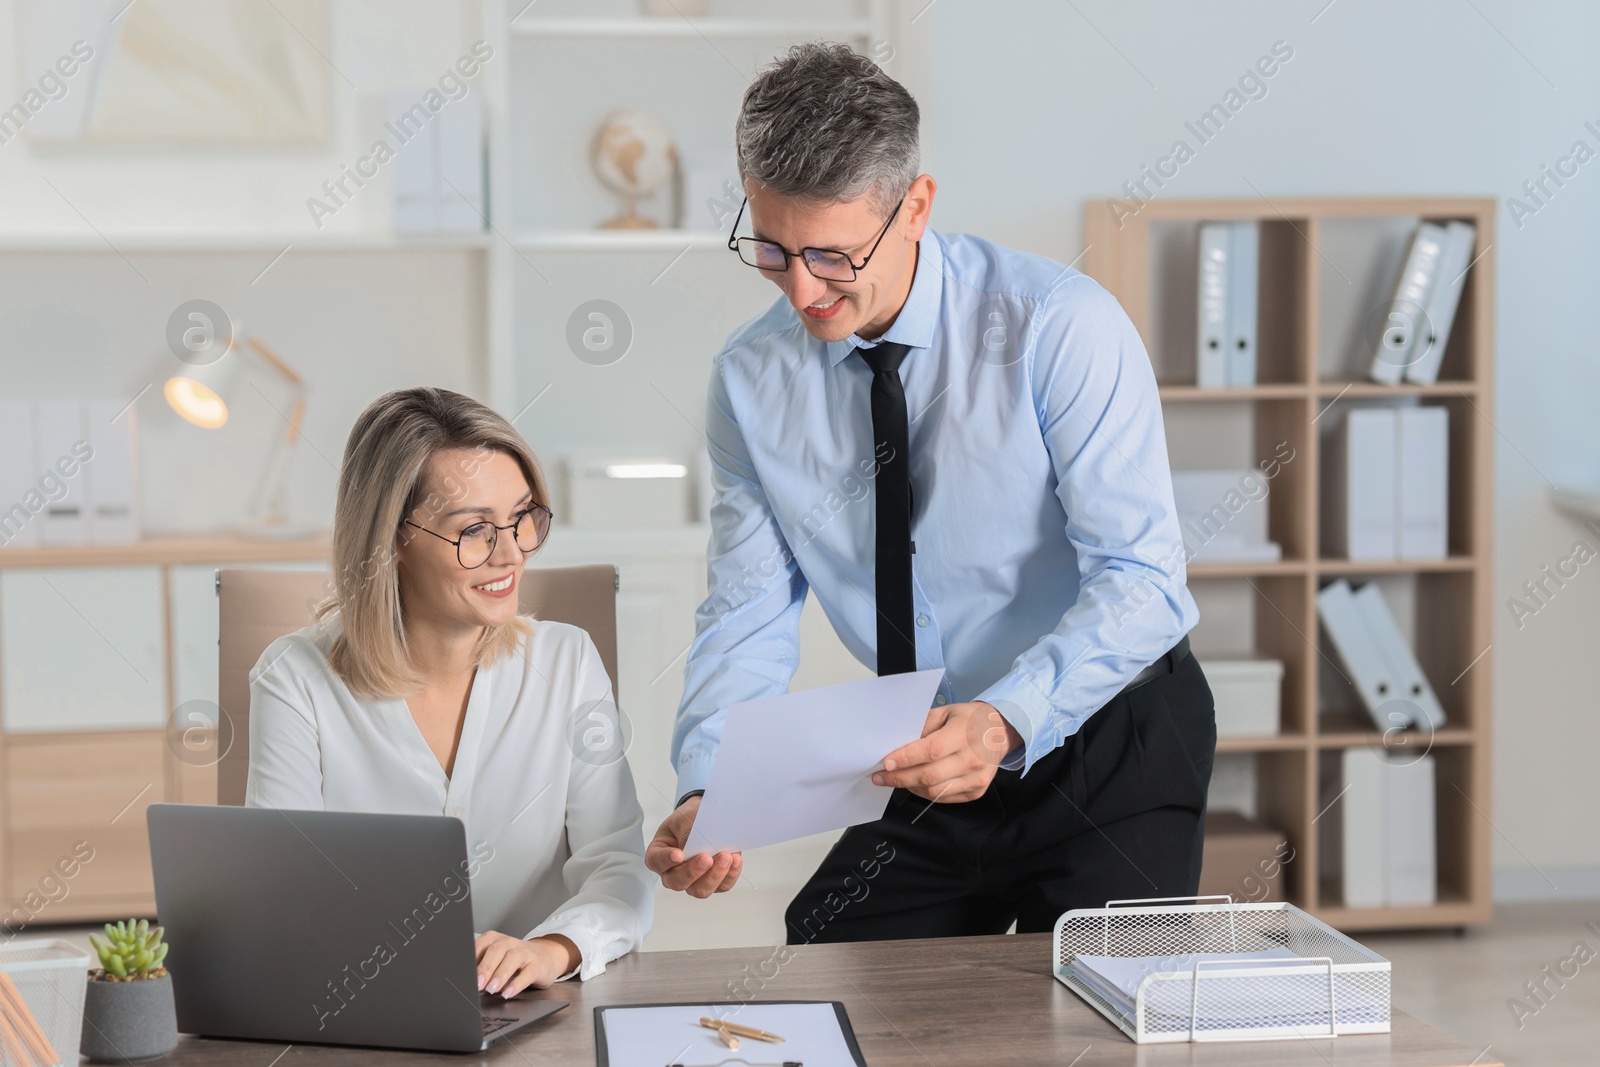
(746, 641)
(1099, 411)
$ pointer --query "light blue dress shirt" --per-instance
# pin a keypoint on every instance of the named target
(1048, 566)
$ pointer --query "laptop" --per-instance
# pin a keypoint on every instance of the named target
(321, 927)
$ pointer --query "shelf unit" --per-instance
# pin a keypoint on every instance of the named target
(526, 37)
(268, 242)
(619, 240)
(645, 26)
(1303, 375)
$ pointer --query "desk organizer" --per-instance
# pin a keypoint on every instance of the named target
(51, 976)
(1329, 986)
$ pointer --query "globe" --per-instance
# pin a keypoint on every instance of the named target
(634, 156)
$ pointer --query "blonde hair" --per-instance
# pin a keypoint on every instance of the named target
(380, 481)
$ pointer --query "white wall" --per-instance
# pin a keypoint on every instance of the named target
(1040, 105)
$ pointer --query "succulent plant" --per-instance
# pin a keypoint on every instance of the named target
(131, 950)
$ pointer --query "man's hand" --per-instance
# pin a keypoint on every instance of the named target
(507, 965)
(961, 748)
(699, 875)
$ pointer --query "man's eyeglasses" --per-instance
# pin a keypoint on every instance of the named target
(827, 264)
(476, 543)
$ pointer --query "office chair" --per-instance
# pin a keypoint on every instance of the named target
(256, 607)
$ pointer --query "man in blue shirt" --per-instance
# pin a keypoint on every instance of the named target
(958, 449)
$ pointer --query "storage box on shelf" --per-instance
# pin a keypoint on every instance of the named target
(1244, 858)
(1327, 270)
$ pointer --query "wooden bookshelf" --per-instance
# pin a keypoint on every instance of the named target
(1307, 290)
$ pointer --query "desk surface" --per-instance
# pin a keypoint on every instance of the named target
(931, 1003)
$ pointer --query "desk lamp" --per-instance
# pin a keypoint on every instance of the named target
(201, 393)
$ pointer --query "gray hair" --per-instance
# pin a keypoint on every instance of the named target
(824, 123)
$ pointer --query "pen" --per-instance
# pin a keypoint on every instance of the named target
(741, 1031)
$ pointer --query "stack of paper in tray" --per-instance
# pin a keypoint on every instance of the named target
(1297, 998)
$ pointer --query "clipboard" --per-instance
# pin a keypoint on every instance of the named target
(752, 1051)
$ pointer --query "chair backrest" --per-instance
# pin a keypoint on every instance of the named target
(256, 607)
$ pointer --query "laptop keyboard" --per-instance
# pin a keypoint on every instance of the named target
(491, 1023)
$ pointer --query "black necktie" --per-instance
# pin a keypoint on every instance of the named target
(897, 646)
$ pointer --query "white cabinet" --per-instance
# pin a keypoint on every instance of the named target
(662, 581)
(82, 648)
(653, 635)
(823, 658)
(194, 642)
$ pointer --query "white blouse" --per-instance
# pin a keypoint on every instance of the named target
(537, 779)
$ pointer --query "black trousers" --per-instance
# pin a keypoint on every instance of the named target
(1117, 812)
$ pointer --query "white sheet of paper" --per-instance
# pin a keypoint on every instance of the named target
(800, 763)
(1274, 999)
(653, 1036)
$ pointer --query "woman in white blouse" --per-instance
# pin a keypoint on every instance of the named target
(420, 690)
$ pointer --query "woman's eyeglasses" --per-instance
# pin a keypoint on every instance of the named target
(826, 264)
(475, 544)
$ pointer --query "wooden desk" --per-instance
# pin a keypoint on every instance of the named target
(931, 1003)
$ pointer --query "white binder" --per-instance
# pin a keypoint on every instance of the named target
(1364, 837)
(1359, 517)
(1211, 357)
(1454, 259)
(1409, 304)
(1243, 280)
(413, 174)
(19, 527)
(60, 442)
(1388, 837)
(1413, 702)
(460, 188)
(1411, 865)
(112, 476)
(1364, 661)
(1422, 501)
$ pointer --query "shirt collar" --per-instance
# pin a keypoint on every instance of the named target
(913, 327)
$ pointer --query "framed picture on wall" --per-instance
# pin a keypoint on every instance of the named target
(171, 71)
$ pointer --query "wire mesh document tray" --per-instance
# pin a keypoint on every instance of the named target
(52, 977)
(1209, 969)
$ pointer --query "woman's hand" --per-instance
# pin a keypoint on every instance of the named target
(507, 965)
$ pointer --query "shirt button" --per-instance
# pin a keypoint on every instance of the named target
(938, 699)
(922, 620)
(457, 810)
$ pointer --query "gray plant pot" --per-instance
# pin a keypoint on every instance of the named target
(128, 1022)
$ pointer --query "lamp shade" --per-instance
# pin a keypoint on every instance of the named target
(200, 393)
